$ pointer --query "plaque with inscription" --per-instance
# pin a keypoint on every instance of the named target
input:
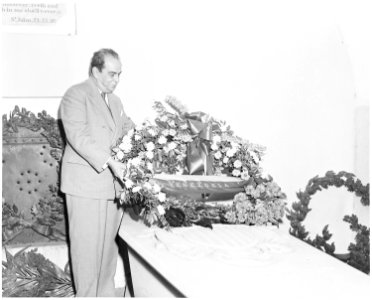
(201, 187)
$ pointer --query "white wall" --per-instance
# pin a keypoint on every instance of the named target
(284, 74)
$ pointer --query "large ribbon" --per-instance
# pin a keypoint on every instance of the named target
(199, 161)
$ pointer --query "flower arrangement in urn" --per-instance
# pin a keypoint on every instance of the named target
(179, 142)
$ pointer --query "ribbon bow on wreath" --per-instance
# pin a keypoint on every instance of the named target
(199, 161)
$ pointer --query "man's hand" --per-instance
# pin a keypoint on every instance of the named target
(117, 168)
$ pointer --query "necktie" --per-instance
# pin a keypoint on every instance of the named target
(103, 95)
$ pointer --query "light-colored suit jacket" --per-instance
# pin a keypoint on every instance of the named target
(91, 132)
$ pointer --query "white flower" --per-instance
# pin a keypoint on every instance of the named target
(152, 132)
(141, 154)
(260, 188)
(225, 160)
(230, 152)
(150, 146)
(171, 146)
(184, 126)
(136, 189)
(126, 139)
(161, 210)
(165, 132)
(237, 164)
(162, 140)
(156, 188)
(126, 147)
(162, 197)
(216, 139)
(135, 161)
(184, 137)
(223, 127)
(120, 155)
(128, 183)
(150, 154)
(249, 189)
(255, 195)
(163, 118)
(245, 175)
(235, 145)
(171, 123)
(172, 132)
(149, 166)
(137, 137)
(147, 185)
(214, 146)
(218, 155)
(236, 173)
(130, 133)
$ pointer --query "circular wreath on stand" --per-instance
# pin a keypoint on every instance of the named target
(358, 255)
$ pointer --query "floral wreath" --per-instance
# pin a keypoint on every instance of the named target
(358, 256)
(180, 142)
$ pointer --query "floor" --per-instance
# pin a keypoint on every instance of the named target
(120, 292)
(58, 254)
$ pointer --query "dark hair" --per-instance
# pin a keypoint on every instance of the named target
(98, 59)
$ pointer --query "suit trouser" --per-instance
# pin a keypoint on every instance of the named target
(93, 226)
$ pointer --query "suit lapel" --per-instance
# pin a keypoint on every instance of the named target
(102, 106)
(105, 110)
(113, 111)
(114, 114)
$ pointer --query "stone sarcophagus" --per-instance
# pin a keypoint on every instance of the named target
(33, 208)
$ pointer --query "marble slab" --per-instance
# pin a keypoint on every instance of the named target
(235, 261)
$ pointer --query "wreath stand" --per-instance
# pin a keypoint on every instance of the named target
(358, 255)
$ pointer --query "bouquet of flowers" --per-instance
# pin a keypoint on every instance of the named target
(194, 143)
(138, 149)
(261, 203)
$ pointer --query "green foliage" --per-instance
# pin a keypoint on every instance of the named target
(50, 210)
(46, 215)
(30, 274)
(13, 222)
(359, 252)
(51, 129)
(176, 105)
(358, 256)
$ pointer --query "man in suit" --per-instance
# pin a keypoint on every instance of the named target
(93, 119)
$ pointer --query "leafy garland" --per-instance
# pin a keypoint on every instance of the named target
(30, 274)
(52, 129)
(45, 216)
(358, 256)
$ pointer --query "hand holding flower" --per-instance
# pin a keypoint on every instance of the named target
(117, 168)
